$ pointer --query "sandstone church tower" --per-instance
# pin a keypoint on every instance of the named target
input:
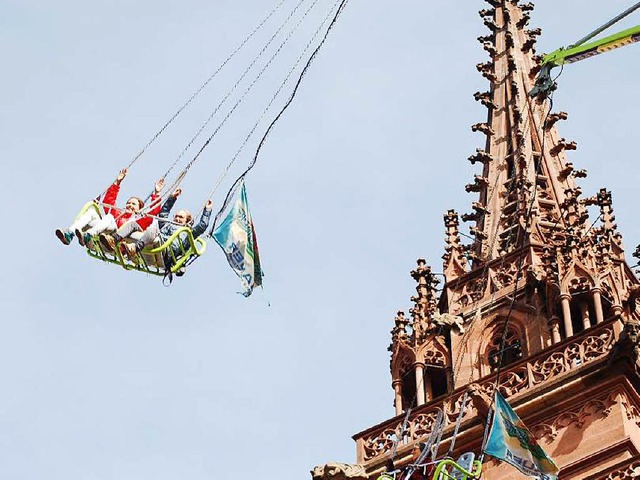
(541, 279)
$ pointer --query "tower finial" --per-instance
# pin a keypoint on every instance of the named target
(455, 263)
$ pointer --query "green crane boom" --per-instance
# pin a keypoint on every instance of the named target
(581, 50)
(575, 54)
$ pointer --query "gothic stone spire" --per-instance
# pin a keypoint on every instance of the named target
(530, 207)
(524, 170)
(543, 292)
(419, 353)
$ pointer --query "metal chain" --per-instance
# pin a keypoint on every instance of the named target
(268, 107)
(233, 88)
(458, 422)
(248, 89)
(203, 86)
(401, 434)
(436, 429)
(341, 7)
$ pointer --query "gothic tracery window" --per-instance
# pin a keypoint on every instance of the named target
(511, 351)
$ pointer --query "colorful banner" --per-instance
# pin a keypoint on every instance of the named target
(511, 441)
(237, 238)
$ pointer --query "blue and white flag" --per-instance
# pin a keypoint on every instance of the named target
(237, 238)
(511, 441)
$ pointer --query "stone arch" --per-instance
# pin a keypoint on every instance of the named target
(404, 378)
(435, 363)
(578, 278)
(434, 353)
(607, 283)
(492, 338)
(402, 362)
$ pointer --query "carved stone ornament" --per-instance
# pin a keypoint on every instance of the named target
(633, 414)
(505, 276)
(595, 408)
(434, 357)
(339, 471)
(423, 424)
(472, 292)
(628, 472)
(516, 378)
(454, 322)
(532, 239)
(380, 443)
(480, 399)
(629, 343)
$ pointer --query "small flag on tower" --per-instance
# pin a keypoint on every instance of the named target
(237, 238)
(511, 441)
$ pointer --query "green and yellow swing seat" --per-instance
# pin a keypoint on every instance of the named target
(449, 469)
(159, 260)
(466, 468)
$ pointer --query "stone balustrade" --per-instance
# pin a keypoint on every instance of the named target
(379, 441)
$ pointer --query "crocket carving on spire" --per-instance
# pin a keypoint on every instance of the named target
(454, 259)
(535, 303)
(527, 158)
(529, 210)
(425, 300)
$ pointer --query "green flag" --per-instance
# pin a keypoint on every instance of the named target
(237, 238)
(511, 442)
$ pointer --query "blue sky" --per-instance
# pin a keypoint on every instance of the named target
(108, 374)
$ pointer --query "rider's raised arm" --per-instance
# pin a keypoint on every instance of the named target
(111, 195)
(168, 205)
(202, 225)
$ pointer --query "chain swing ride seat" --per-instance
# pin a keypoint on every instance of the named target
(465, 468)
(181, 248)
(159, 260)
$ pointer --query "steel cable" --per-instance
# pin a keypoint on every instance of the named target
(233, 88)
(268, 107)
(246, 92)
(341, 7)
(204, 85)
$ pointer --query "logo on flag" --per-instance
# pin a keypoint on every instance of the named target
(237, 238)
(511, 441)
